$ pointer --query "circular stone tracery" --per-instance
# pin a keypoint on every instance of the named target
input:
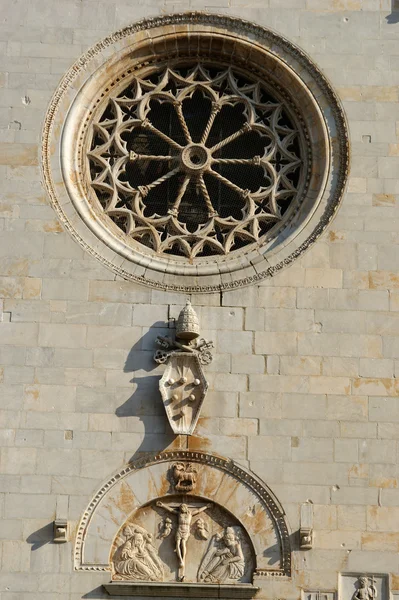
(195, 158)
(140, 173)
(215, 160)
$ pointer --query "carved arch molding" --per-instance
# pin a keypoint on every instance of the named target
(240, 518)
(195, 152)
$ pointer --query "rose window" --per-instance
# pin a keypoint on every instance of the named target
(197, 160)
(195, 152)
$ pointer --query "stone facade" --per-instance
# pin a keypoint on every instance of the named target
(303, 385)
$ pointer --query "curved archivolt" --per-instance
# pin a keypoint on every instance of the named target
(229, 487)
(195, 161)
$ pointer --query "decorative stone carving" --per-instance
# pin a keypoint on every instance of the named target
(200, 348)
(220, 201)
(306, 527)
(202, 530)
(184, 476)
(136, 559)
(60, 531)
(366, 589)
(165, 528)
(187, 326)
(183, 385)
(224, 558)
(238, 498)
(279, 195)
(363, 586)
(184, 515)
(181, 551)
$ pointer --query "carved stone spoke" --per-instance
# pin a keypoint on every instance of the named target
(211, 210)
(231, 138)
(133, 156)
(183, 122)
(256, 160)
(230, 184)
(204, 142)
(175, 208)
(144, 189)
(148, 125)
(215, 109)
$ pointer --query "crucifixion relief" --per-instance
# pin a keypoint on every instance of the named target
(184, 515)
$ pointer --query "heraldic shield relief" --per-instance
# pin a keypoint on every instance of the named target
(183, 385)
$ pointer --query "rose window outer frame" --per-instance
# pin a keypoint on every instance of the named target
(203, 38)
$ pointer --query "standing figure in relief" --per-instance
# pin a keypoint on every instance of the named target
(366, 590)
(137, 559)
(184, 518)
(224, 559)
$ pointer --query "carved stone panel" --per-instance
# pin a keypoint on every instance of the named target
(227, 496)
(136, 559)
(183, 387)
(184, 476)
(182, 539)
(224, 559)
(363, 586)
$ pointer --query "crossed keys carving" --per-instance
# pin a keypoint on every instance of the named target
(200, 347)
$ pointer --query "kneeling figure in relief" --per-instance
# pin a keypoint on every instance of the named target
(137, 559)
(224, 558)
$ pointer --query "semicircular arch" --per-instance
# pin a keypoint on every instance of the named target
(218, 480)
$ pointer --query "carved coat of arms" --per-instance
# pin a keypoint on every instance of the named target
(183, 385)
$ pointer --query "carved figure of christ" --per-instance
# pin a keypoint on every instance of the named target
(184, 518)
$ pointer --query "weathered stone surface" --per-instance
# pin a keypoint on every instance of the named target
(303, 385)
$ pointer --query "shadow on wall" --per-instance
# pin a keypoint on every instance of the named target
(271, 551)
(394, 16)
(42, 536)
(97, 594)
(145, 402)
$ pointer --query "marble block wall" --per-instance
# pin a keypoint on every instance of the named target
(303, 388)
